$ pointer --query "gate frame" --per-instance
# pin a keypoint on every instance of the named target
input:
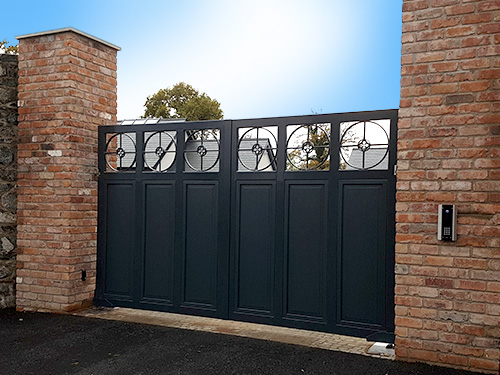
(228, 176)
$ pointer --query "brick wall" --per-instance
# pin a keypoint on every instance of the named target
(448, 294)
(8, 174)
(67, 88)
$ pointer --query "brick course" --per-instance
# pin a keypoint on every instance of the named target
(67, 88)
(448, 294)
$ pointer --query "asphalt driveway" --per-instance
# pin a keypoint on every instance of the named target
(36, 343)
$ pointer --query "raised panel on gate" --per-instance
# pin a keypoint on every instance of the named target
(159, 226)
(255, 247)
(120, 239)
(362, 250)
(305, 251)
(200, 245)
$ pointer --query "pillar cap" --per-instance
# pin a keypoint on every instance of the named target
(66, 29)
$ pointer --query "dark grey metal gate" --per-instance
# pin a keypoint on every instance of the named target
(285, 221)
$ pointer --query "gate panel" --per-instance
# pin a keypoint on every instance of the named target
(200, 250)
(305, 254)
(159, 224)
(255, 254)
(362, 244)
(119, 240)
(286, 221)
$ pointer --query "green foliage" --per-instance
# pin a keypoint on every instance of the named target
(10, 50)
(182, 101)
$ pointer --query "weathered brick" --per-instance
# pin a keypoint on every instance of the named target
(475, 86)
(459, 98)
(477, 18)
(460, 31)
(444, 88)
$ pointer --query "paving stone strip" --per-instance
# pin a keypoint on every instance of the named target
(321, 340)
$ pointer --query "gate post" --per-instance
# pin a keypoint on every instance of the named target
(448, 293)
(67, 88)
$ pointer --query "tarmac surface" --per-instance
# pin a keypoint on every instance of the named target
(37, 343)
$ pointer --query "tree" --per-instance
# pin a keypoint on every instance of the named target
(10, 50)
(182, 101)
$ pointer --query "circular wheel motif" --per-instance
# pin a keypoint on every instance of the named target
(364, 145)
(159, 151)
(257, 149)
(120, 152)
(201, 150)
(308, 147)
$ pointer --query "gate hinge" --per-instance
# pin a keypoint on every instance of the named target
(395, 169)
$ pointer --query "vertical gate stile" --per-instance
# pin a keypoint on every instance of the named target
(233, 220)
(333, 251)
(225, 218)
(280, 298)
(101, 222)
(391, 225)
(138, 217)
(179, 219)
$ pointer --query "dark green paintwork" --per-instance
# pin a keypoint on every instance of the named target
(311, 249)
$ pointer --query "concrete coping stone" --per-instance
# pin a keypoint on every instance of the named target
(66, 29)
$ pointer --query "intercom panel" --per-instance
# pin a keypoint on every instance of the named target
(447, 222)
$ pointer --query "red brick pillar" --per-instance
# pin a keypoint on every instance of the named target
(67, 88)
(448, 293)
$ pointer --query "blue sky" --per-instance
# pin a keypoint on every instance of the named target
(258, 58)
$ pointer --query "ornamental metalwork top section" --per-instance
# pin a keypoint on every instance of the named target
(330, 143)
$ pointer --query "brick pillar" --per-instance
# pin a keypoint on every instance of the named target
(448, 293)
(67, 88)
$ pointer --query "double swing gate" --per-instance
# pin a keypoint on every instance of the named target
(284, 221)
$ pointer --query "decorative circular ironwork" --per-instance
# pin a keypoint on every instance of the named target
(257, 149)
(201, 150)
(312, 147)
(355, 139)
(307, 147)
(252, 157)
(364, 145)
(159, 151)
(120, 154)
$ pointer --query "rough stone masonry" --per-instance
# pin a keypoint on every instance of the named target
(8, 176)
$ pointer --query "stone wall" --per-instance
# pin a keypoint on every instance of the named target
(8, 175)
(448, 293)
